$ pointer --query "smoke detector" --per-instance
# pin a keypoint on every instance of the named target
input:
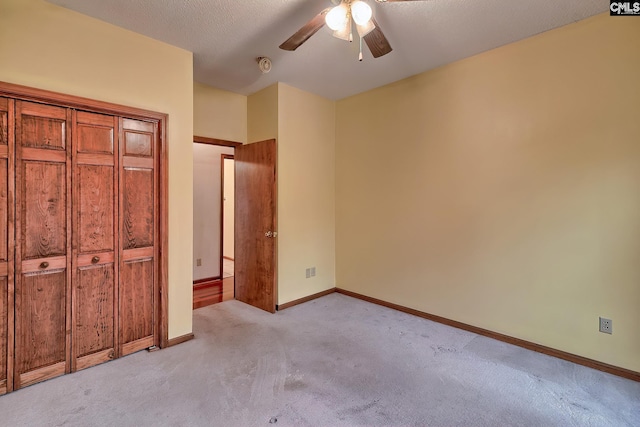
(264, 64)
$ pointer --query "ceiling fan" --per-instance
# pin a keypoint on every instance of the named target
(341, 19)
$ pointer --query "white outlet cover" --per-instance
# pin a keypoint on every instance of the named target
(605, 325)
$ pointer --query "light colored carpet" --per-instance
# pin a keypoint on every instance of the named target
(335, 361)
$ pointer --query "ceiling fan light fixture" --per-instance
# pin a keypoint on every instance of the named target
(340, 20)
(343, 33)
(361, 12)
(337, 17)
(365, 29)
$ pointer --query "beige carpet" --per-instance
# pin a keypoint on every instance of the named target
(335, 361)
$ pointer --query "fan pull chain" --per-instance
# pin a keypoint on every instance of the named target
(360, 55)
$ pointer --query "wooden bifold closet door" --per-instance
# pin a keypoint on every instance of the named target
(95, 222)
(138, 231)
(43, 242)
(81, 251)
(83, 281)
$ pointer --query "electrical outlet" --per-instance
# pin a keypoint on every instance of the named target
(605, 326)
(313, 271)
(308, 273)
(199, 262)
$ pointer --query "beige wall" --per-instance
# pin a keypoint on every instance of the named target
(49, 47)
(207, 212)
(219, 114)
(503, 190)
(304, 127)
(306, 193)
(262, 115)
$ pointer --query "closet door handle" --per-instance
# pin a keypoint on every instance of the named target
(44, 264)
(95, 259)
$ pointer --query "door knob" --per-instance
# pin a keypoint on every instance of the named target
(268, 234)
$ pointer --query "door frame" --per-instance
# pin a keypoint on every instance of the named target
(223, 157)
(26, 93)
(206, 282)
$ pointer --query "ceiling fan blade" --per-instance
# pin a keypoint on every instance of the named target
(307, 30)
(377, 42)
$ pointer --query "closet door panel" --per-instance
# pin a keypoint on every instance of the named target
(42, 326)
(138, 184)
(94, 290)
(95, 218)
(44, 227)
(137, 302)
(95, 314)
(138, 144)
(44, 126)
(95, 133)
(42, 288)
(138, 208)
(139, 138)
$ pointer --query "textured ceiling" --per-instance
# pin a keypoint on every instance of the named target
(226, 36)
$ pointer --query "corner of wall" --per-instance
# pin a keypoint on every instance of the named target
(306, 193)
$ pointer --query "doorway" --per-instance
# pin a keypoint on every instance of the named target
(254, 253)
(228, 220)
(213, 218)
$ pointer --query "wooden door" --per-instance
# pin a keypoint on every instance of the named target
(95, 225)
(43, 274)
(255, 227)
(138, 235)
(6, 242)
